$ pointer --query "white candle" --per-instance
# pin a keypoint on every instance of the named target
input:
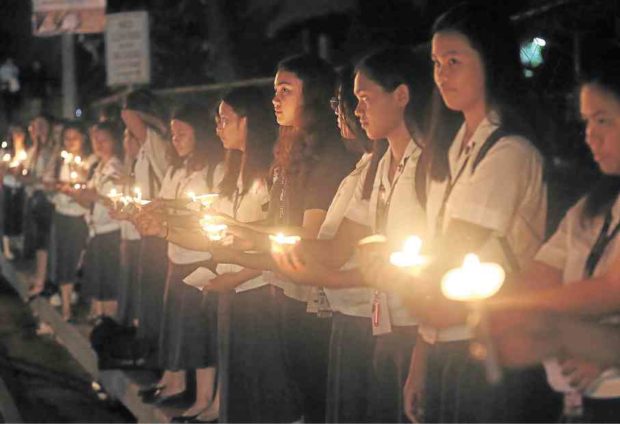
(6, 157)
(281, 243)
(473, 281)
(215, 231)
(77, 160)
(5, 144)
(204, 200)
(73, 175)
(114, 196)
(22, 156)
(409, 256)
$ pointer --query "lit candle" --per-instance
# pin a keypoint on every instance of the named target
(77, 160)
(205, 200)
(5, 144)
(73, 175)
(6, 157)
(80, 186)
(115, 196)
(472, 283)
(215, 231)
(281, 243)
(64, 154)
(409, 257)
(22, 156)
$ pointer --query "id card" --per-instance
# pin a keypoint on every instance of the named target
(381, 323)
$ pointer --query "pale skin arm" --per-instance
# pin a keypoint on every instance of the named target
(136, 122)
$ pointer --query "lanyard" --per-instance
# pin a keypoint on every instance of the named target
(446, 195)
(383, 203)
(600, 245)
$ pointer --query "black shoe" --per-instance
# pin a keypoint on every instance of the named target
(198, 420)
(149, 391)
(178, 400)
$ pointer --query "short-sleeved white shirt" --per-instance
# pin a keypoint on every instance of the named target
(353, 301)
(405, 216)
(505, 193)
(151, 161)
(98, 219)
(177, 183)
(568, 250)
(250, 206)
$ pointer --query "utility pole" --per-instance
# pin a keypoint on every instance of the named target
(69, 80)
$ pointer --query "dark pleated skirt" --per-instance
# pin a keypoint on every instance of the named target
(391, 360)
(189, 323)
(601, 410)
(255, 386)
(71, 234)
(457, 390)
(129, 289)
(151, 285)
(40, 211)
(101, 267)
(13, 210)
(305, 340)
(349, 371)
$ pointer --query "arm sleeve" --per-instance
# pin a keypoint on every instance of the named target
(155, 147)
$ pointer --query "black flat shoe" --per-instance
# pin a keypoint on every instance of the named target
(178, 400)
(149, 391)
(197, 420)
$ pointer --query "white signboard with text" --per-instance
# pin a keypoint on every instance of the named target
(128, 59)
(52, 17)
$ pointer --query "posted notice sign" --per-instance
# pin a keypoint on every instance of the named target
(52, 17)
(128, 59)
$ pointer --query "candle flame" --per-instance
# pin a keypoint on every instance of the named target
(6, 157)
(473, 280)
(410, 255)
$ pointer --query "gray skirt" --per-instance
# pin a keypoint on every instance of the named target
(71, 234)
(129, 290)
(101, 269)
(187, 339)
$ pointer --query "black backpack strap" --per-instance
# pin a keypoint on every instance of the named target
(488, 145)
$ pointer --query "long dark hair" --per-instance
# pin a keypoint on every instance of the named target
(298, 148)
(602, 72)
(207, 151)
(252, 104)
(112, 128)
(391, 67)
(77, 126)
(491, 34)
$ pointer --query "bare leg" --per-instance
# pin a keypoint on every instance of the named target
(66, 290)
(175, 383)
(6, 248)
(41, 270)
(205, 385)
(213, 411)
(109, 307)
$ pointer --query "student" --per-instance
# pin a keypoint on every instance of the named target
(70, 229)
(145, 118)
(495, 206)
(576, 270)
(188, 322)
(309, 164)
(13, 192)
(102, 254)
(393, 88)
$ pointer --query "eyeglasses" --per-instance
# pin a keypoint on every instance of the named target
(334, 103)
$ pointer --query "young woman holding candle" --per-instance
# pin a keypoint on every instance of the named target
(576, 271)
(492, 203)
(309, 164)
(102, 253)
(189, 322)
(146, 119)
(393, 88)
(70, 229)
(13, 201)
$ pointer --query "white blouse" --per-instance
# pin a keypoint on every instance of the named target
(506, 194)
(98, 219)
(66, 205)
(568, 250)
(151, 162)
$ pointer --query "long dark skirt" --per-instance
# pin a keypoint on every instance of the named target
(101, 267)
(601, 410)
(39, 214)
(71, 234)
(391, 360)
(305, 339)
(255, 386)
(189, 323)
(349, 372)
(457, 390)
(152, 284)
(13, 210)
(129, 289)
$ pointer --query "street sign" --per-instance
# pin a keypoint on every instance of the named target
(128, 59)
(53, 17)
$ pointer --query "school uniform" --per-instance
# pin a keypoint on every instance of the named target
(13, 205)
(189, 319)
(254, 385)
(305, 337)
(103, 250)
(571, 250)
(70, 229)
(505, 193)
(394, 211)
(150, 167)
(351, 343)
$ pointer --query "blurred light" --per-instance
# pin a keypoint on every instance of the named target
(528, 73)
(540, 41)
(5, 144)
(78, 113)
